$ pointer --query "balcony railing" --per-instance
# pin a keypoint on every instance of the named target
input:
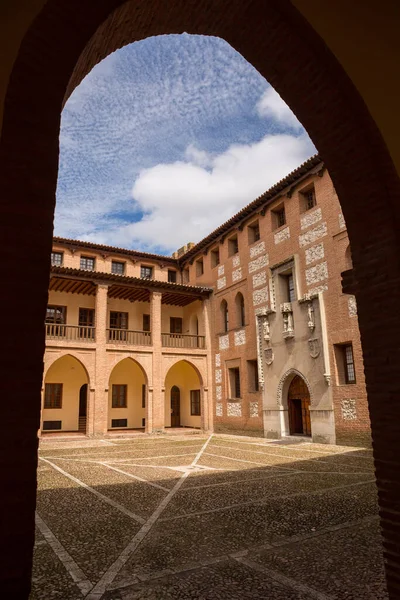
(181, 340)
(55, 331)
(129, 337)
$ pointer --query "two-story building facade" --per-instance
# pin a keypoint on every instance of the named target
(247, 331)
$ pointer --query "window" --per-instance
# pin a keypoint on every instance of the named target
(224, 316)
(146, 322)
(345, 363)
(350, 373)
(118, 268)
(175, 325)
(51, 425)
(233, 246)
(291, 294)
(171, 276)
(146, 272)
(185, 275)
(214, 257)
(87, 263)
(252, 376)
(56, 314)
(118, 320)
(240, 314)
(86, 323)
(254, 232)
(57, 259)
(308, 199)
(195, 410)
(199, 267)
(143, 395)
(53, 395)
(278, 217)
(119, 423)
(119, 395)
(234, 382)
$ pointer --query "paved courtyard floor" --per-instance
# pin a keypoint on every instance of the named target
(206, 518)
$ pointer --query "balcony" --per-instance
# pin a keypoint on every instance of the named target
(70, 333)
(181, 340)
(128, 337)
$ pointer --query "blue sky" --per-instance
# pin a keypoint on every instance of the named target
(167, 138)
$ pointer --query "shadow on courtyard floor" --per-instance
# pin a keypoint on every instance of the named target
(245, 521)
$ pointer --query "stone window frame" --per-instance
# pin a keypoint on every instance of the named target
(199, 267)
(253, 232)
(118, 267)
(57, 262)
(87, 263)
(172, 276)
(345, 364)
(146, 271)
(233, 245)
(215, 258)
(307, 198)
(278, 216)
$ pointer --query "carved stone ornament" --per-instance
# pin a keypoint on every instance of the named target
(327, 378)
(269, 355)
(286, 307)
(266, 332)
(311, 316)
(314, 347)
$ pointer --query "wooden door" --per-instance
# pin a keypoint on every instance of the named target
(299, 407)
(175, 407)
(83, 400)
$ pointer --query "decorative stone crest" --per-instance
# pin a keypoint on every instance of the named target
(266, 330)
(314, 347)
(269, 356)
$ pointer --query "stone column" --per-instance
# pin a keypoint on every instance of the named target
(156, 408)
(208, 396)
(100, 409)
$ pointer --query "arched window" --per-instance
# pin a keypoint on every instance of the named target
(348, 259)
(240, 312)
(224, 316)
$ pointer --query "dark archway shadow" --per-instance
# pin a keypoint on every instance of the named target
(64, 42)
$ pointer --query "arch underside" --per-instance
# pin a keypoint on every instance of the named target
(63, 44)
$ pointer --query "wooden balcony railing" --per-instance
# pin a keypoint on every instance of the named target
(55, 331)
(181, 340)
(129, 337)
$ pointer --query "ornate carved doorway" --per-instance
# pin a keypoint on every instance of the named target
(299, 407)
(175, 407)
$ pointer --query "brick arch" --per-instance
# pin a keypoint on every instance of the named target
(50, 361)
(284, 384)
(275, 38)
(137, 362)
(172, 364)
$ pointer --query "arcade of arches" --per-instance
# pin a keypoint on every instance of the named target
(316, 56)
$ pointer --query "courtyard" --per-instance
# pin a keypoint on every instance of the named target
(205, 517)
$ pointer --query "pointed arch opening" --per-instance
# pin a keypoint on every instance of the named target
(240, 310)
(127, 396)
(65, 392)
(183, 396)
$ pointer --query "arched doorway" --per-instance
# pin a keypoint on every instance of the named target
(183, 396)
(175, 406)
(65, 396)
(83, 407)
(127, 396)
(298, 399)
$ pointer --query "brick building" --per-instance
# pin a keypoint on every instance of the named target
(247, 331)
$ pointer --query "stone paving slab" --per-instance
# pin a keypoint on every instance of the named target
(93, 532)
(346, 573)
(215, 518)
(227, 580)
(136, 496)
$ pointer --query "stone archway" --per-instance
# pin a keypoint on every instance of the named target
(298, 401)
(274, 37)
(62, 396)
(184, 405)
(127, 396)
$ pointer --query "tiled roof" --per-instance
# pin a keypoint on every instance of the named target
(114, 250)
(137, 281)
(266, 198)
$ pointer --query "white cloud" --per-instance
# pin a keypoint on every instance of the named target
(272, 106)
(184, 201)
